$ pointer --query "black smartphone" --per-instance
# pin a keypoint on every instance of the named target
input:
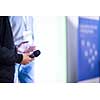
(35, 54)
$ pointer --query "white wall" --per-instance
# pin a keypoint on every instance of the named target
(72, 25)
(50, 38)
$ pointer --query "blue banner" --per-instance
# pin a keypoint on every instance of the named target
(88, 55)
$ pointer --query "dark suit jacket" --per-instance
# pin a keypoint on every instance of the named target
(8, 53)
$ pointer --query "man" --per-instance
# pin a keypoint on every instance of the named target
(23, 38)
(8, 54)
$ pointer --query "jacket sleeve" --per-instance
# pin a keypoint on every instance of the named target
(9, 56)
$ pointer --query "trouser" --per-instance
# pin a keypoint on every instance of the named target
(24, 74)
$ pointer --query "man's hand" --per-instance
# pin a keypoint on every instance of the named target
(29, 49)
(26, 59)
(25, 47)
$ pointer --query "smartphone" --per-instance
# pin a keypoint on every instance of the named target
(35, 53)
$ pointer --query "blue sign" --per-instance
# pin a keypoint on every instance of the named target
(88, 55)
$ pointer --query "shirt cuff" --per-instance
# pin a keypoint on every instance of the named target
(19, 58)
